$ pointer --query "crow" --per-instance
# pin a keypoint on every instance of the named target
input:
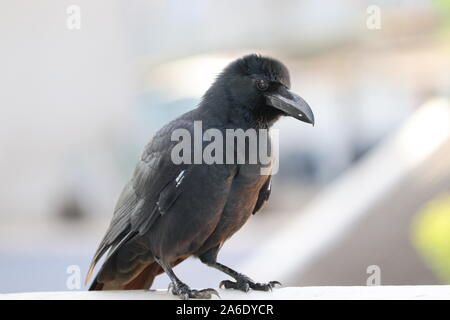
(170, 211)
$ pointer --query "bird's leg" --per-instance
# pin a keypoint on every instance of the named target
(242, 282)
(181, 289)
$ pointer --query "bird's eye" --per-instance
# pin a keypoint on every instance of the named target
(262, 85)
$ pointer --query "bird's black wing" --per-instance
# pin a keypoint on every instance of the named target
(264, 194)
(155, 185)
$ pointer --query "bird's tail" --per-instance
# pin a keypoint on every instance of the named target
(142, 280)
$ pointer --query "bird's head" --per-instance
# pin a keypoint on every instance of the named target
(261, 86)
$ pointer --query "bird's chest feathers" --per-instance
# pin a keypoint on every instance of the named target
(245, 190)
(253, 173)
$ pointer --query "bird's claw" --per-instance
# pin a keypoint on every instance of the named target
(185, 293)
(275, 284)
(237, 285)
(244, 284)
(203, 294)
(266, 286)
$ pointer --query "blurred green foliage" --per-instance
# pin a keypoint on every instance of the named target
(443, 8)
(431, 236)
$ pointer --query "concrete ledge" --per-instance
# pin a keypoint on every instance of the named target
(293, 293)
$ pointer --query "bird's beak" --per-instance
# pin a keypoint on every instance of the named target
(292, 104)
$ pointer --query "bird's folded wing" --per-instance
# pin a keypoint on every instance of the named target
(155, 185)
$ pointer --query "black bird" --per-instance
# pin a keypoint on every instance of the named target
(168, 212)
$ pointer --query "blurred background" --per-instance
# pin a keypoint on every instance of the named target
(368, 186)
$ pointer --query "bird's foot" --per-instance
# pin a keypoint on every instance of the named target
(244, 283)
(184, 292)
